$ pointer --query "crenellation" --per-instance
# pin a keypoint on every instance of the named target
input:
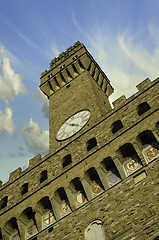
(15, 174)
(144, 84)
(119, 102)
(34, 161)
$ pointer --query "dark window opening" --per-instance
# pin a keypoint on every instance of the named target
(127, 150)
(45, 202)
(116, 126)
(60, 193)
(143, 107)
(43, 176)
(13, 223)
(91, 144)
(29, 213)
(24, 188)
(93, 176)
(77, 184)
(67, 160)
(78, 187)
(50, 229)
(147, 137)
(109, 166)
(3, 202)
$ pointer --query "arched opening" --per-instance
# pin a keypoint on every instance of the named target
(11, 228)
(94, 181)
(28, 218)
(79, 192)
(149, 145)
(111, 171)
(142, 108)
(91, 143)
(66, 160)
(95, 231)
(129, 158)
(116, 126)
(44, 207)
(3, 202)
(43, 176)
(63, 204)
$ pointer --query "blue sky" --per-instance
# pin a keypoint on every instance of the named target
(122, 36)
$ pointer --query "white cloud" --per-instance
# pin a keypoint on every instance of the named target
(6, 122)
(36, 139)
(42, 97)
(11, 84)
(124, 59)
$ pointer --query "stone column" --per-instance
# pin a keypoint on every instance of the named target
(103, 177)
(56, 207)
(139, 153)
(5, 235)
(21, 227)
(71, 198)
(87, 189)
(38, 218)
(120, 167)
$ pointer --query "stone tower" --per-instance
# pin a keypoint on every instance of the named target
(74, 83)
(100, 178)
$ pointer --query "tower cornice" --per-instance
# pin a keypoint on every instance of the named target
(68, 65)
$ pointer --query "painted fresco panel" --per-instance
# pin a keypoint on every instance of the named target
(65, 209)
(132, 164)
(48, 218)
(97, 189)
(80, 199)
(150, 152)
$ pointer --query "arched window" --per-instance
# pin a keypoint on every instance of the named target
(78, 190)
(130, 159)
(29, 222)
(66, 160)
(142, 108)
(94, 181)
(44, 207)
(91, 143)
(62, 202)
(11, 228)
(111, 171)
(150, 146)
(116, 126)
(95, 231)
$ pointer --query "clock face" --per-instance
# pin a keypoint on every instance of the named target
(73, 125)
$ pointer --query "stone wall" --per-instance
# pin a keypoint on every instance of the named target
(126, 208)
